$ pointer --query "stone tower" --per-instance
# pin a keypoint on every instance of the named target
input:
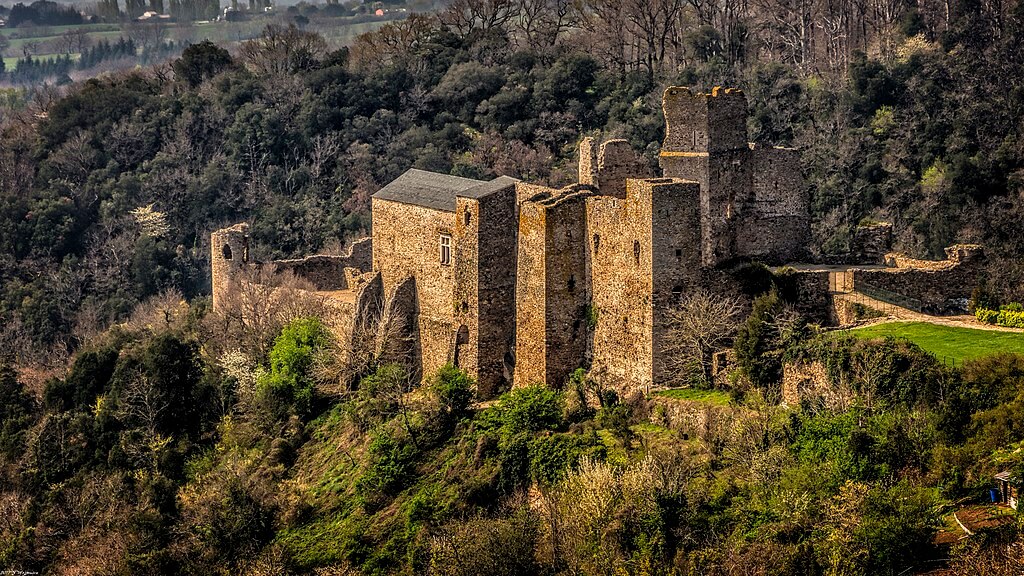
(229, 254)
(706, 142)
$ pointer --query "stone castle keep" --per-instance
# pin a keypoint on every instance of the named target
(519, 283)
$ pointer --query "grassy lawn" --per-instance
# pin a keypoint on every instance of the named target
(948, 342)
(716, 397)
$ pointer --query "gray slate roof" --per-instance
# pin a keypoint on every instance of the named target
(437, 191)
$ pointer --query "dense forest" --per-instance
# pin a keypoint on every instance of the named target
(144, 433)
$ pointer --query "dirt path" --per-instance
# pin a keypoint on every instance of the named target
(894, 312)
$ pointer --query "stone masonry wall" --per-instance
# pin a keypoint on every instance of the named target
(619, 250)
(406, 242)
(326, 272)
(804, 381)
(675, 253)
(530, 358)
(726, 204)
(644, 253)
(696, 122)
(551, 290)
(776, 225)
(486, 285)
(871, 243)
(940, 287)
(753, 200)
(813, 294)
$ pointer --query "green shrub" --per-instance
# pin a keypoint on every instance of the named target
(454, 390)
(758, 342)
(551, 456)
(391, 467)
(289, 384)
(530, 409)
(1009, 315)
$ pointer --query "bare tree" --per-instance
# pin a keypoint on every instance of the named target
(146, 34)
(694, 330)
(465, 17)
(377, 338)
(74, 41)
(787, 29)
(256, 305)
(607, 24)
(542, 22)
(281, 50)
(391, 41)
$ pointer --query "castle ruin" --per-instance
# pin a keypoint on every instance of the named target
(518, 283)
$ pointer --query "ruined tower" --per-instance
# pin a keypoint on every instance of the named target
(706, 142)
(753, 200)
(229, 254)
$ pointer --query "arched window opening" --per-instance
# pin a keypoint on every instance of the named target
(226, 252)
(636, 251)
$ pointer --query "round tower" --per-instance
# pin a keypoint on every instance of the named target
(229, 254)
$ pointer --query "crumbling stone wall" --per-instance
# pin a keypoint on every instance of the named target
(871, 243)
(701, 123)
(812, 293)
(804, 381)
(327, 272)
(606, 167)
(587, 169)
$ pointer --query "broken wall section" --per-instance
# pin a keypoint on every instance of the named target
(327, 272)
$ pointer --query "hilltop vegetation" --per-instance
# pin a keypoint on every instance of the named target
(143, 433)
(171, 448)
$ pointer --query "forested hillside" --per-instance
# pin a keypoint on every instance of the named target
(144, 434)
